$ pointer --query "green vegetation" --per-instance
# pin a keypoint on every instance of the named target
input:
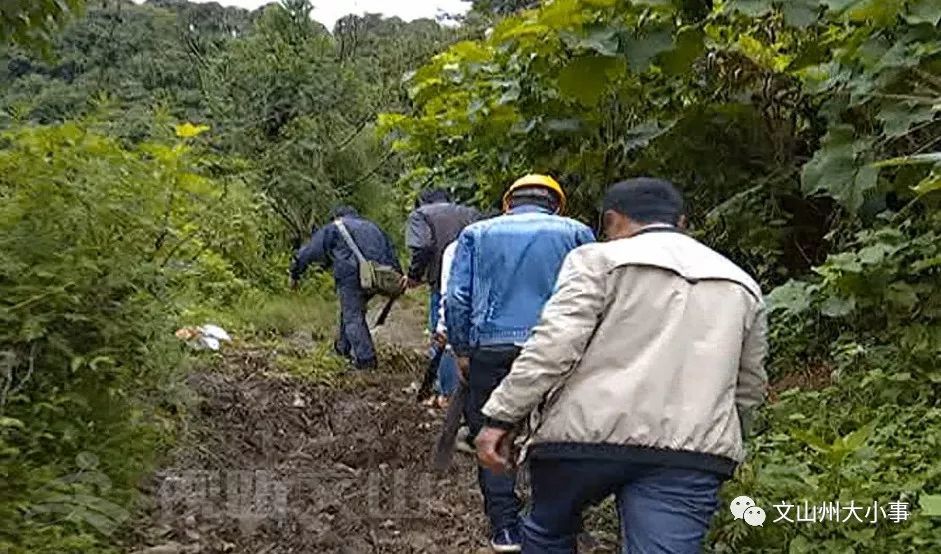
(159, 161)
(102, 246)
(157, 164)
(803, 134)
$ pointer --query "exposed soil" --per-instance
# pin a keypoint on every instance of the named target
(815, 377)
(275, 464)
(281, 466)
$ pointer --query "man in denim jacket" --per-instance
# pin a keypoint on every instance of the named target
(504, 271)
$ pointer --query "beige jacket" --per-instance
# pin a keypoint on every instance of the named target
(650, 349)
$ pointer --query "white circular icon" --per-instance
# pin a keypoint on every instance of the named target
(739, 505)
(754, 516)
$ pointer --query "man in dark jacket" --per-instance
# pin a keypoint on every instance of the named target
(327, 247)
(432, 226)
(435, 223)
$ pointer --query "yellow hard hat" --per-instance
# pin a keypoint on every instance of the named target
(535, 180)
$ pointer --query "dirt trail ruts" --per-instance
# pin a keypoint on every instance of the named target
(274, 464)
(281, 466)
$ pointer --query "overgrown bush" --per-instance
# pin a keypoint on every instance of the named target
(101, 248)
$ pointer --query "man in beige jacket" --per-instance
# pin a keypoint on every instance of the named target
(645, 363)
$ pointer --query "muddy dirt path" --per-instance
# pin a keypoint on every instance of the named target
(284, 467)
(277, 465)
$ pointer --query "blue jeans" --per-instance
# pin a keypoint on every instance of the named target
(447, 368)
(447, 374)
(488, 366)
(663, 510)
(434, 303)
(353, 338)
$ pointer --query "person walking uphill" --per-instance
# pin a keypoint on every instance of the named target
(504, 270)
(435, 223)
(328, 246)
(647, 362)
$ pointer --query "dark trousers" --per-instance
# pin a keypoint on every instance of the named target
(353, 338)
(662, 510)
(488, 367)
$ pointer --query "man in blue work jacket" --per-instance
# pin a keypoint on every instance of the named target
(504, 271)
(327, 247)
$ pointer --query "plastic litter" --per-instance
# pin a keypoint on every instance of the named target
(204, 337)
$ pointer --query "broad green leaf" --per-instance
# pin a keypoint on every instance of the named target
(87, 460)
(791, 297)
(585, 79)
(11, 422)
(470, 51)
(872, 254)
(930, 505)
(880, 11)
(811, 440)
(600, 41)
(800, 13)
(845, 262)
(931, 183)
(640, 51)
(898, 117)
(752, 8)
(855, 440)
(839, 5)
(526, 29)
(833, 169)
(562, 14)
(867, 177)
(600, 3)
(924, 11)
(835, 306)
(902, 295)
(761, 54)
(930, 158)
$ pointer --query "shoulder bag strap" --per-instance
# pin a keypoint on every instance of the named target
(349, 241)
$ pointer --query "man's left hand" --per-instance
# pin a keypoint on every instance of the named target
(493, 449)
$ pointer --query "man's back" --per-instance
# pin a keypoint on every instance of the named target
(637, 376)
(504, 271)
(429, 230)
(372, 241)
(677, 348)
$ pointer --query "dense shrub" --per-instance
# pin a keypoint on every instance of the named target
(101, 248)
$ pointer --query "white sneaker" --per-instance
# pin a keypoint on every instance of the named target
(506, 540)
(460, 441)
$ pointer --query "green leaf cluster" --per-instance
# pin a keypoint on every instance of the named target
(102, 250)
(804, 135)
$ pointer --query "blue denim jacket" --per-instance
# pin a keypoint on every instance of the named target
(504, 271)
